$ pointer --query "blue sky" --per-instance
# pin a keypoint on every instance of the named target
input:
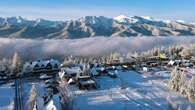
(68, 9)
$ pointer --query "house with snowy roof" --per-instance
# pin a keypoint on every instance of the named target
(41, 65)
(70, 71)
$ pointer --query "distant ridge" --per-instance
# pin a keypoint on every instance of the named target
(90, 26)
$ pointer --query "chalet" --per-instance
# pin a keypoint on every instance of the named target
(70, 71)
(181, 63)
(41, 65)
(86, 82)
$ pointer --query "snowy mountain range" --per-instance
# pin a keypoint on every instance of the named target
(90, 26)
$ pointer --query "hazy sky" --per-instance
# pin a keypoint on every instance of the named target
(66, 9)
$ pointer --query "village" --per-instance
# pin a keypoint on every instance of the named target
(76, 84)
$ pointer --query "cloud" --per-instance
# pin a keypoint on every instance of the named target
(37, 49)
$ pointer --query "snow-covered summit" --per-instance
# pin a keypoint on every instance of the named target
(133, 19)
(15, 20)
(89, 26)
(94, 20)
(180, 21)
(148, 18)
(126, 19)
(121, 18)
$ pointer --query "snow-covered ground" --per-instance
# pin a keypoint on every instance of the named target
(7, 94)
(130, 91)
(41, 91)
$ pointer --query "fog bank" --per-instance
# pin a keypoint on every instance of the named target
(95, 46)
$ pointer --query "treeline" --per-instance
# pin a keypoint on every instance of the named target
(172, 52)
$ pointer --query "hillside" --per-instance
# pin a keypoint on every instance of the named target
(90, 26)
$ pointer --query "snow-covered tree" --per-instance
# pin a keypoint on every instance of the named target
(183, 84)
(174, 79)
(15, 64)
(115, 56)
(191, 89)
(31, 100)
(179, 82)
(188, 51)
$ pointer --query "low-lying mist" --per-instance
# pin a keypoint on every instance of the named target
(96, 46)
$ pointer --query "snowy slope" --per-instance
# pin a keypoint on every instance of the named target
(130, 91)
(90, 26)
(133, 19)
(7, 95)
(125, 19)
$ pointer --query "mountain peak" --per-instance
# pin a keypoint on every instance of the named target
(94, 19)
(180, 21)
(148, 18)
(121, 18)
(132, 19)
(94, 26)
(15, 19)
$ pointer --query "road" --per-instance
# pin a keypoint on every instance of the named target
(18, 94)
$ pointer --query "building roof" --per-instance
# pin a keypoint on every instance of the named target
(41, 63)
